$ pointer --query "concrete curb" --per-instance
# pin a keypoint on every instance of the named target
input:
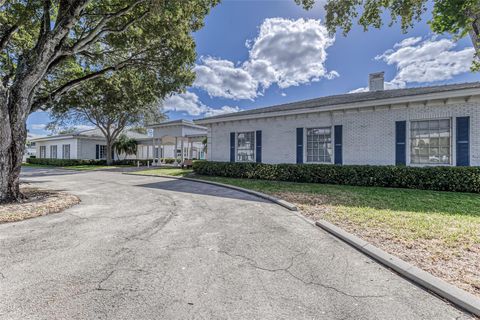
(457, 296)
(283, 203)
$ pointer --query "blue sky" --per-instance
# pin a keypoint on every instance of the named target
(256, 53)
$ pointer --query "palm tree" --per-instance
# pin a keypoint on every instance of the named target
(125, 145)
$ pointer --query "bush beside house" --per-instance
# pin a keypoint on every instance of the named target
(78, 162)
(459, 179)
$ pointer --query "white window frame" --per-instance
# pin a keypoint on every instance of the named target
(305, 145)
(53, 147)
(43, 152)
(254, 144)
(450, 147)
(64, 148)
(102, 151)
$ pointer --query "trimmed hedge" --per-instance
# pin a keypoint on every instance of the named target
(65, 162)
(79, 162)
(441, 178)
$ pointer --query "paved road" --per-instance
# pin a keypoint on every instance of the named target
(152, 248)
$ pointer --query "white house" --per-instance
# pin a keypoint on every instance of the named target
(437, 125)
(85, 145)
(167, 140)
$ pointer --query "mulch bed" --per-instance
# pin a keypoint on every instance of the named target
(458, 265)
(38, 202)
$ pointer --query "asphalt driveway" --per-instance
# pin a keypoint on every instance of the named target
(152, 248)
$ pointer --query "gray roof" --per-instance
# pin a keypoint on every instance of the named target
(92, 133)
(176, 122)
(351, 98)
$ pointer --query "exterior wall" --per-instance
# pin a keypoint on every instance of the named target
(58, 143)
(87, 148)
(368, 133)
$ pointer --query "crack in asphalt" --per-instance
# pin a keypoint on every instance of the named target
(287, 270)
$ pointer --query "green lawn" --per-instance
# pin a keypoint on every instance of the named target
(170, 171)
(410, 214)
(436, 231)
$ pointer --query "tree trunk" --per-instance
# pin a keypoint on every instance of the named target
(475, 33)
(13, 136)
(109, 152)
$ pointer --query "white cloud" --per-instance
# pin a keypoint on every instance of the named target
(34, 135)
(389, 85)
(408, 42)
(189, 103)
(420, 60)
(221, 78)
(83, 127)
(292, 52)
(428, 60)
(38, 126)
(285, 52)
(223, 110)
(184, 102)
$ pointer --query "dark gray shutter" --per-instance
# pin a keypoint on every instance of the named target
(400, 143)
(299, 145)
(463, 141)
(232, 146)
(338, 135)
(258, 146)
(97, 151)
(113, 154)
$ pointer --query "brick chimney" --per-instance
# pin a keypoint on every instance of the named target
(376, 81)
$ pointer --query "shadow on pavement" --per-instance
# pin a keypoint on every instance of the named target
(202, 189)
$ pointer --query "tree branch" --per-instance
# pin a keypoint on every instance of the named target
(99, 29)
(7, 36)
(40, 102)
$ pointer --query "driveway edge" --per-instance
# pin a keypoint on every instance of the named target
(281, 202)
(455, 295)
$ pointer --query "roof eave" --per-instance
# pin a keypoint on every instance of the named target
(362, 104)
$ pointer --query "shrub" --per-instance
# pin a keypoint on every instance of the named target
(65, 162)
(460, 179)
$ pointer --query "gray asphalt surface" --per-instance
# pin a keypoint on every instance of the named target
(153, 248)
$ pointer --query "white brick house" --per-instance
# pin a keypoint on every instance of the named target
(418, 126)
(85, 145)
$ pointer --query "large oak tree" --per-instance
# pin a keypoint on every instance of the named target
(48, 47)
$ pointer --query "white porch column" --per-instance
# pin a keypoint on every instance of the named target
(175, 151)
(183, 158)
(191, 149)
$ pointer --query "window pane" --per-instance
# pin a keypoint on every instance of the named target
(246, 146)
(430, 141)
(319, 144)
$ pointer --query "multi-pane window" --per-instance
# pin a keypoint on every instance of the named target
(43, 151)
(319, 144)
(66, 151)
(53, 152)
(430, 141)
(102, 152)
(246, 146)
